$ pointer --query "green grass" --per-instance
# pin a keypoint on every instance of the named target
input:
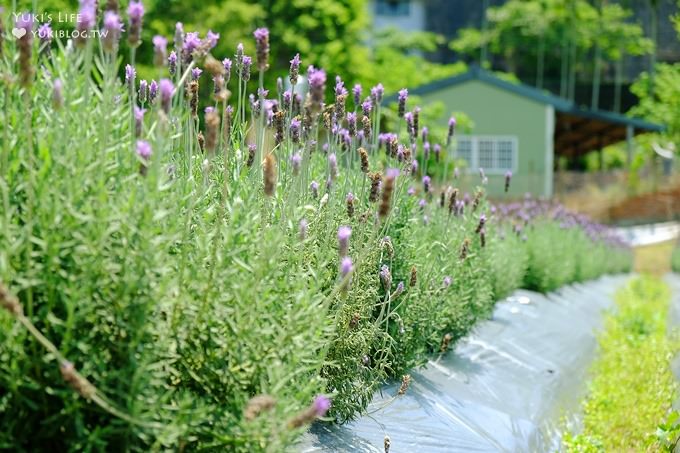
(675, 259)
(632, 386)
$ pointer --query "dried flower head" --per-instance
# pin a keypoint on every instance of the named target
(405, 383)
(269, 174)
(257, 405)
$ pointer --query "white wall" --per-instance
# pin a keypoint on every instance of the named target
(415, 21)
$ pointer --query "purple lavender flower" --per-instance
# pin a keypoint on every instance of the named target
(414, 166)
(153, 91)
(482, 222)
(425, 133)
(411, 191)
(422, 203)
(426, 150)
(344, 233)
(135, 14)
(296, 162)
(314, 188)
(86, 20)
(57, 94)
(262, 44)
(160, 50)
(196, 73)
(144, 149)
(303, 229)
(317, 83)
(366, 107)
(508, 177)
(190, 44)
(45, 34)
(345, 266)
(294, 69)
(333, 166)
(377, 93)
(211, 39)
(139, 120)
(179, 36)
(385, 277)
(167, 89)
(130, 75)
(352, 123)
(246, 62)
(408, 117)
(447, 281)
(426, 183)
(287, 100)
(339, 87)
(399, 290)
(227, 69)
(295, 126)
(452, 129)
(172, 63)
(403, 96)
(356, 91)
(437, 151)
(143, 91)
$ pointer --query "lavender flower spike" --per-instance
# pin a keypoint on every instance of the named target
(160, 50)
(377, 93)
(452, 129)
(303, 229)
(130, 75)
(321, 405)
(403, 96)
(356, 91)
(167, 89)
(144, 149)
(262, 44)
(344, 233)
(113, 28)
(508, 177)
(135, 14)
(172, 63)
(294, 69)
(346, 268)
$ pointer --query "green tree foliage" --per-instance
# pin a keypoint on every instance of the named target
(555, 36)
(397, 60)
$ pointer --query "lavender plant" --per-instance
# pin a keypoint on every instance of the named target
(180, 272)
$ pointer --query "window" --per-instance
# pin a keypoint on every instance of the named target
(392, 7)
(464, 150)
(493, 154)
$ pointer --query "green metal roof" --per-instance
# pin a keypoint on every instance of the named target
(560, 104)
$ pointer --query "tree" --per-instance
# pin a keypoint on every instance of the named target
(555, 36)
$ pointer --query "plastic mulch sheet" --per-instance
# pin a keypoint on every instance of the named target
(505, 387)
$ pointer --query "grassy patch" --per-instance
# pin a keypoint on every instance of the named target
(632, 385)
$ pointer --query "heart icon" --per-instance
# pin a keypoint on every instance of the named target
(19, 32)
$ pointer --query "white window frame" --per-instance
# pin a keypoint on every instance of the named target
(495, 139)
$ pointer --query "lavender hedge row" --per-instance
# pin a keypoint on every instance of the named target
(217, 274)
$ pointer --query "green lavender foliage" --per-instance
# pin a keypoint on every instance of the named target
(181, 291)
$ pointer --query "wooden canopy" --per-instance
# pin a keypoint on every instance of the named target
(578, 131)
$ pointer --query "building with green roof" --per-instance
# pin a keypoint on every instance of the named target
(523, 129)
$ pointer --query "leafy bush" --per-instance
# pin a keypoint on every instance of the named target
(174, 279)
